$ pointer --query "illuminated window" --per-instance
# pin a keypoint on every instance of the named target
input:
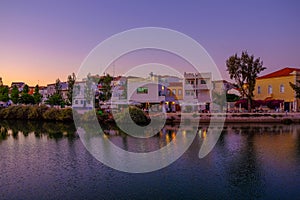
(142, 90)
(281, 88)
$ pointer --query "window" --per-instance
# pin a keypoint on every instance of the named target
(168, 92)
(76, 101)
(179, 92)
(187, 93)
(142, 90)
(203, 82)
(258, 90)
(270, 91)
(174, 92)
(281, 89)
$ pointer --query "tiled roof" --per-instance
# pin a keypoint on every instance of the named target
(175, 84)
(283, 72)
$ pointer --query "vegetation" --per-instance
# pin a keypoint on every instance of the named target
(36, 95)
(56, 98)
(244, 70)
(296, 89)
(219, 99)
(232, 97)
(4, 93)
(35, 112)
(105, 82)
(71, 82)
(25, 97)
(14, 96)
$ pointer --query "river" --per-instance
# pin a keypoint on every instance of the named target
(49, 161)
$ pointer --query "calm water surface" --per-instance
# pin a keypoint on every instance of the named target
(48, 161)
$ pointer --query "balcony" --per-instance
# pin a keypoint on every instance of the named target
(204, 87)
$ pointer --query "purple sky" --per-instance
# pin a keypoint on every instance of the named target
(41, 41)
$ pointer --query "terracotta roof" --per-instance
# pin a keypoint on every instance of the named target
(283, 72)
(175, 84)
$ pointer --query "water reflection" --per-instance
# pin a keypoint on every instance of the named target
(258, 161)
(39, 129)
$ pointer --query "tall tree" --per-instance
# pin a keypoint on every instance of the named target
(244, 70)
(89, 89)
(25, 89)
(56, 98)
(25, 97)
(36, 95)
(57, 86)
(105, 92)
(15, 94)
(71, 82)
(4, 93)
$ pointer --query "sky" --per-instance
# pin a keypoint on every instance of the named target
(41, 41)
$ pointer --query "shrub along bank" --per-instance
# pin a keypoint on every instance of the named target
(35, 112)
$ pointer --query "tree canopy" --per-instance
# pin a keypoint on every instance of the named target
(71, 82)
(244, 70)
(296, 89)
(36, 95)
(14, 96)
(105, 92)
(4, 93)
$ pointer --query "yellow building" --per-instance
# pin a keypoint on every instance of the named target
(276, 86)
(175, 89)
(174, 94)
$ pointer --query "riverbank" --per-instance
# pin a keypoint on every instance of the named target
(35, 112)
(284, 118)
(46, 113)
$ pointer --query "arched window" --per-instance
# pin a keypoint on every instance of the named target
(270, 90)
(281, 88)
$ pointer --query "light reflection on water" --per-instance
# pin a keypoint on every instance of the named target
(48, 161)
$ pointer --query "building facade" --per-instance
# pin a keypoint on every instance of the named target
(276, 86)
(198, 90)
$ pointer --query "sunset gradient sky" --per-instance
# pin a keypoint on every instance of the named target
(41, 41)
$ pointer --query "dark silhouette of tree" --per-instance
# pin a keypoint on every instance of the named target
(25, 97)
(15, 95)
(71, 82)
(105, 91)
(296, 89)
(57, 86)
(56, 98)
(4, 93)
(244, 70)
(36, 95)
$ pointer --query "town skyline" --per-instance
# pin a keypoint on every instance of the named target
(41, 42)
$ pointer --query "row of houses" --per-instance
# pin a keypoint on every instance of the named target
(196, 90)
(192, 90)
(45, 91)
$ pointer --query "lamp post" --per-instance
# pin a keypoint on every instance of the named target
(245, 88)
